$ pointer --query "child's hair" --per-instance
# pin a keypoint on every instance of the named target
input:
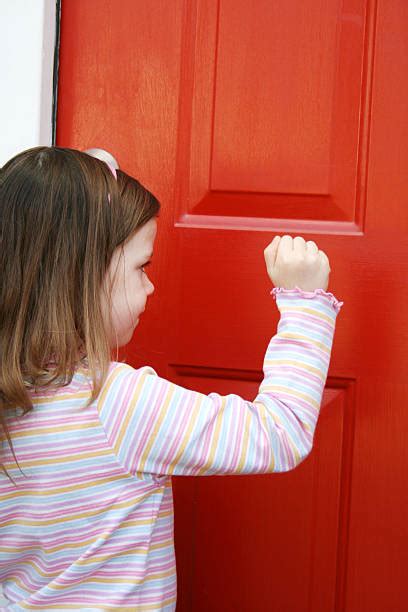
(62, 215)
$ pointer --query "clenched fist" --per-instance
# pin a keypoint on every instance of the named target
(293, 262)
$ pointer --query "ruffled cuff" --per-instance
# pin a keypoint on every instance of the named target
(309, 295)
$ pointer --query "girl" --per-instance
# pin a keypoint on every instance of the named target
(90, 444)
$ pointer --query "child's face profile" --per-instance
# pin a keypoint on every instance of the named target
(131, 285)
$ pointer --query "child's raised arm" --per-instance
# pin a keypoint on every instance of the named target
(157, 427)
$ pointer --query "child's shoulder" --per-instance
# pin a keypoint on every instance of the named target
(123, 372)
(121, 384)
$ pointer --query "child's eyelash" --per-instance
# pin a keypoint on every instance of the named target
(146, 265)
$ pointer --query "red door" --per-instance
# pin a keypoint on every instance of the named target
(250, 119)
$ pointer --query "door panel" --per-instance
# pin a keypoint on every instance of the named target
(249, 120)
(263, 543)
(274, 102)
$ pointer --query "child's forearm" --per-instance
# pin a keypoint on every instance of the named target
(295, 369)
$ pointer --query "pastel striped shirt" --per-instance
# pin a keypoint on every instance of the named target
(89, 523)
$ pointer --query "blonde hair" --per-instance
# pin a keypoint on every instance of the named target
(62, 215)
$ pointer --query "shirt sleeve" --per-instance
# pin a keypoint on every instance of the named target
(158, 427)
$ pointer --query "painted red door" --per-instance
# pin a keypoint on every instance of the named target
(250, 119)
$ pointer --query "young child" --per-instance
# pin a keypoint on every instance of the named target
(89, 444)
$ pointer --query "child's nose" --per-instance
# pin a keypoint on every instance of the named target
(149, 286)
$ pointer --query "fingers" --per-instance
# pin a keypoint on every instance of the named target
(281, 245)
(325, 259)
(294, 262)
(272, 250)
(299, 244)
(312, 246)
(286, 243)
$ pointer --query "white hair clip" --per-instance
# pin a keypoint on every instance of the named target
(106, 157)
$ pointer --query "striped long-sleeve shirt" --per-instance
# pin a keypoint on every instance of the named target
(88, 525)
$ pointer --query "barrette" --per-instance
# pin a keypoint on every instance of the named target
(106, 157)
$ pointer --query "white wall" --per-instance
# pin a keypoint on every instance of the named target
(27, 40)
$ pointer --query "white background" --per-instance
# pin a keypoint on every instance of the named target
(27, 40)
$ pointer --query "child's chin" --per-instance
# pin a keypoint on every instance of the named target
(131, 332)
(125, 338)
